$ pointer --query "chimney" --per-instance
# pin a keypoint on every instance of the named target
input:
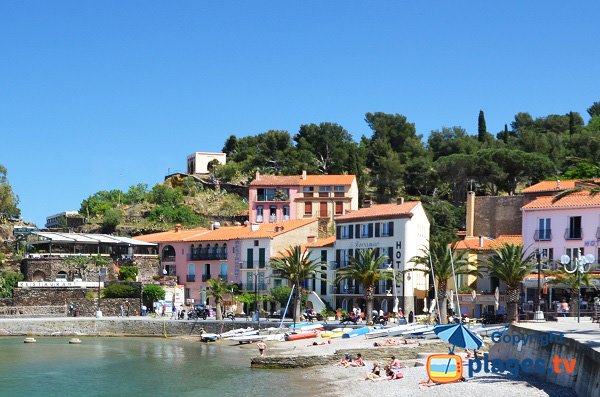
(303, 175)
(400, 200)
(558, 184)
(257, 176)
(367, 203)
(470, 213)
(312, 239)
(177, 228)
(480, 241)
(254, 227)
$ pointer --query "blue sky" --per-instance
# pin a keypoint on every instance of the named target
(102, 95)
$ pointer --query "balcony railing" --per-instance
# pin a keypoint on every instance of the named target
(223, 277)
(190, 278)
(253, 265)
(206, 277)
(543, 235)
(208, 254)
(168, 258)
(573, 234)
(252, 287)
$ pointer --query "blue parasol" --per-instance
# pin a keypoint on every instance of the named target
(458, 335)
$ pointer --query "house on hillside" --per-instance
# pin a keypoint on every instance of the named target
(275, 199)
(236, 254)
(400, 231)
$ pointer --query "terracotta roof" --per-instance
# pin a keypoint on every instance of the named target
(322, 242)
(578, 199)
(550, 186)
(172, 236)
(489, 244)
(296, 180)
(377, 211)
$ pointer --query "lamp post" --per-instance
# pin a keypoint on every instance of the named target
(256, 313)
(579, 264)
(394, 288)
(539, 314)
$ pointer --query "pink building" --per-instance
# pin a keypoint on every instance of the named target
(279, 198)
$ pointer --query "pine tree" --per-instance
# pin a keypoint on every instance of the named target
(481, 128)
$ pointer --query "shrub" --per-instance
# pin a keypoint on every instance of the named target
(153, 293)
(120, 291)
(128, 273)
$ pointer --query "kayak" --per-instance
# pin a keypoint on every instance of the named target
(209, 337)
(335, 333)
(356, 332)
(303, 335)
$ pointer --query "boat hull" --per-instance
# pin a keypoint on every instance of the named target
(303, 335)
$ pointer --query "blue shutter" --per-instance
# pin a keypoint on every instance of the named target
(376, 229)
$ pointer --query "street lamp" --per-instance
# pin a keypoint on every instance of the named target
(579, 264)
(539, 314)
(394, 288)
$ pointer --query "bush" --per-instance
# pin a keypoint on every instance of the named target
(153, 293)
(111, 219)
(120, 291)
(128, 273)
(183, 215)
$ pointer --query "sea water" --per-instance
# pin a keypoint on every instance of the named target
(136, 367)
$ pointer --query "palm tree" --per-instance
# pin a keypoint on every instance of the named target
(441, 256)
(367, 269)
(572, 283)
(217, 288)
(295, 266)
(510, 264)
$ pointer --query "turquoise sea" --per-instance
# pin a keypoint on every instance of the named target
(136, 367)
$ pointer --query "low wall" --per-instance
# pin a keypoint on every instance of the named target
(585, 378)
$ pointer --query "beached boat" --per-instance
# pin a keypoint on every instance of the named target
(29, 340)
(248, 338)
(356, 332)
(335, 333)
(74, 341)
(244, 333)
(389, 332)
(236, 332)
(308, 327)
(302, 335)
(298, 325)
(417, 330)
(208, 337)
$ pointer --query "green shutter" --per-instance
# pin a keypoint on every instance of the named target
(250, 258)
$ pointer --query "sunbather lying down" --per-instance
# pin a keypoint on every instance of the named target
(388, 374)
(427, 382)
(395, 342)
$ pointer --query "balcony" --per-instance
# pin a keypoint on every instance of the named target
(168, 258)
(543, 235)
(253, 265)
(205, 277)
(208, 254)
(223, 277)
(190, 278)
(574, 234)
(262, 287)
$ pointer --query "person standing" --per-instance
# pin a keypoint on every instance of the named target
(144, 310)
(262, 346)
(174, 312)
(411, 317)
(122, 311)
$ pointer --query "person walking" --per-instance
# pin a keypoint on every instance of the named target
(174, 312)
(262, 346)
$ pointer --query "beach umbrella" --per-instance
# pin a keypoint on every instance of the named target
(496, 298)
(458, 335)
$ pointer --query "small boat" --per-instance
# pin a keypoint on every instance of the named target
(248, 338)
(209, 337)
(302, 335)
(309, 327)
(419, 330)
(298, 325)
(244, 333)
(335, 333)
(236, 332)
(74, 341)
(29, 340)
(356, 332)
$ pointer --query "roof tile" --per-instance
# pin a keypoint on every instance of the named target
(296, 180)
(380, 211)
(578, 199)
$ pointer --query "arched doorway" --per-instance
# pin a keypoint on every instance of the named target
(168, 254)
(38, 275)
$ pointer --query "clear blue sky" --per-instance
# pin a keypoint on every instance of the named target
(100, 95)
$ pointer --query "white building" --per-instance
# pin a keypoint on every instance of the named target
(399, 231)
(64, 219)
(197, 163)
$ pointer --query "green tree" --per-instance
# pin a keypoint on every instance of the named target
(9, 201)
(217, 289)
(82, 265)
(329, 145)
(367, 270)
(281, 294)
(128, 273)
(166, 196)
(8, 282)
(295, 266)
(111, 219)
(481, 128)
(510, 264)
(386, 170)
(594, 110)
(167, 214)
(100, 202)
(449, 141)
(441, 256)
(120, 291)
(153, 293)
(136, 194)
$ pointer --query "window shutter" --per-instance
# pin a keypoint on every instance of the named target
(376, 229)
(370, 230)
(338, 232)
(391, 229)
(390, 254)
(338, 257)
(351, 230)
(357, 231)
(350, 254)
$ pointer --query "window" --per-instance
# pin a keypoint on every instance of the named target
(259, 214)
(286, 212)
(308, 191)
(543, 232)
(325, 188)
(338, 188)
(385, 229)
(250, 258)
(308, 209)
(364, 231)
(339, 208)
(223, 272)
(323, 211)
(273, 214)
(574, 252)
(345, 232)
(261, 258)
(192, 269)
(574, 231)
(338, 191)
(256, 243)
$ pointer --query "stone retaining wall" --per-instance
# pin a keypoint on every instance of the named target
(585, 379)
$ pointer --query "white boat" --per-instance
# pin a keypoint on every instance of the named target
(309, 327)
(392, 331)
(418, 330)
(208, 337)
(244, 333)
(236, 332)
(248, 338)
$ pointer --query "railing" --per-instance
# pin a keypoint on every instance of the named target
(543, 235)
(168, 258)
(208, 254)
(252, 287)
(223, 277)
(190, 278)
(574, 234)
(205, 277)
(253, 265)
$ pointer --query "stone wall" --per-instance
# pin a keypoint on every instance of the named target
(584, 378)
(495, 215)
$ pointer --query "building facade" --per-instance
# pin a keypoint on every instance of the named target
(65, 219)
(197, 163)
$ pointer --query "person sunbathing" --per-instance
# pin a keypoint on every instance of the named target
(358, 362)
(394, 374)
(395, 363)
(375, 374)
(346, 361)
(427, 382)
